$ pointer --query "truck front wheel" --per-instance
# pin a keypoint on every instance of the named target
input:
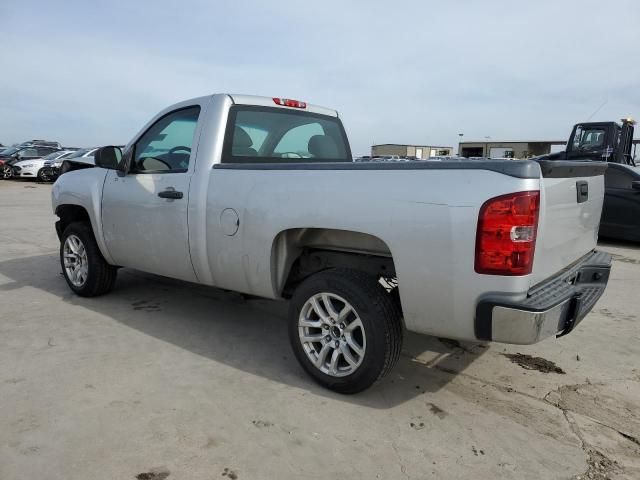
(84, 268)
(344, 329)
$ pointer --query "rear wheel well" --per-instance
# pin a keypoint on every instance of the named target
(69, 214)
(297, 253)
(312, 261)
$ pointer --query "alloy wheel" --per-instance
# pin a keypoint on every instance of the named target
(75, 261)
(332, 334)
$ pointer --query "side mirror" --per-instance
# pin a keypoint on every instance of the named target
(108, 157)
(635, 185)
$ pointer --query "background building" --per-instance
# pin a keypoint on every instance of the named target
(418, 151)
(509, 149)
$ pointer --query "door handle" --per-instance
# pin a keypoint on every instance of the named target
(582, 188)
(172, 194)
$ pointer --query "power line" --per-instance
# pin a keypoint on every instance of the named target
(598, 109)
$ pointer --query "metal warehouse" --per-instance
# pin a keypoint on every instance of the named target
(418, 151)
(522, 149)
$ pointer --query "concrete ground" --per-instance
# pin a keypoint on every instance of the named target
(162, 379)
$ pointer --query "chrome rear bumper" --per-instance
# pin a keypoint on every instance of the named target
(553, 307)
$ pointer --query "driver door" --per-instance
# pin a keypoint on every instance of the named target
(144, 213)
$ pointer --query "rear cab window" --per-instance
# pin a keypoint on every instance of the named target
(276, 135)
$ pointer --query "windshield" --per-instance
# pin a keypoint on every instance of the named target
(80, 153)
(589, 138)
(10, 151)
(52, 156)
(276, 135)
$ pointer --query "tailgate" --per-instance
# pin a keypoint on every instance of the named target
(572, 194)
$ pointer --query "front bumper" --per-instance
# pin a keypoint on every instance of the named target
(553, 307)
(24, 172)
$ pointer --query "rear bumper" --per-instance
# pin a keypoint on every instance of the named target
(553, 307)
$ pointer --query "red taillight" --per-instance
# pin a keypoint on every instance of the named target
(506, 236)
(286, 102)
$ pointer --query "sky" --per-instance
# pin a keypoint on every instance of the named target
(89, 73)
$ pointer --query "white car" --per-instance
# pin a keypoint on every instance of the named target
(33, 168)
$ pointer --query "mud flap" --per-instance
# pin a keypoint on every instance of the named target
(573, 317)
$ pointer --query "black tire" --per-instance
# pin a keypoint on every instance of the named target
(6, 172)
(101, 276)
(42, 176)
(381, 320)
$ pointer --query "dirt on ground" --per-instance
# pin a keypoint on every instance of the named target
(534, 363)
(159, 473)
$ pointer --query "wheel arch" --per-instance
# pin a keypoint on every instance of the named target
(69, 213)
(297, 253)
(72, 212)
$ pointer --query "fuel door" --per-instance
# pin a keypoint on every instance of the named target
(229, 221)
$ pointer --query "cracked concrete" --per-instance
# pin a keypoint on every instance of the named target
(196, 383)
(601, 421)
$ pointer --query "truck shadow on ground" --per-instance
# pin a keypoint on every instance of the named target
(247, 334)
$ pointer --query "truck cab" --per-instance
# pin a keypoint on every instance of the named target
(599, 141)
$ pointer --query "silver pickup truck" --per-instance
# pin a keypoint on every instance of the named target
(261, 196)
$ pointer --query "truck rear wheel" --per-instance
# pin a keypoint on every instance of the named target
(344, 329)
(84, 268)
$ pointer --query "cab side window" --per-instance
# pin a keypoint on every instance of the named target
(166, 146)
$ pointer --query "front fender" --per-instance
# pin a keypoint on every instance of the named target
(84, 189)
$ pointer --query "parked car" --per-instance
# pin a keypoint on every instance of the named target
(35, 168)
(80, 158)
(11, 156)
(84, 155)
(621, 211)
(205, 193)
(41, 143)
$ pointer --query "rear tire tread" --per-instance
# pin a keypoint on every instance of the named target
(382, 306)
